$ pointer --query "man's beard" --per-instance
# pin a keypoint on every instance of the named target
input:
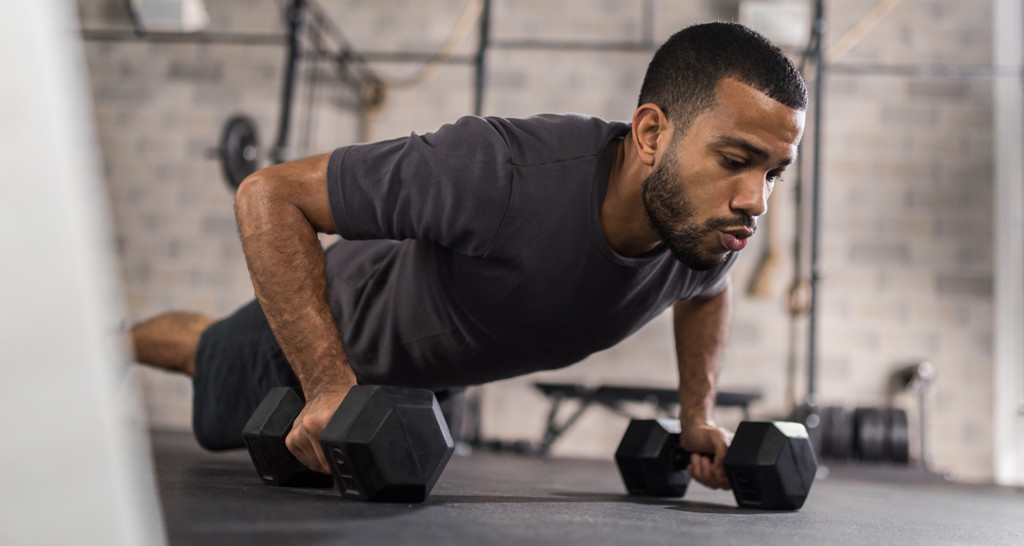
(671, 213)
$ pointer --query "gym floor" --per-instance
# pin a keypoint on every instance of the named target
(489, 498)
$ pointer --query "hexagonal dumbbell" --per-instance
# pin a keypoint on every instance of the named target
(770, 465)
(383, 443)
(387, 444)
(264, 435)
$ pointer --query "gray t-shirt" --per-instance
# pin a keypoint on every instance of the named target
(476, 253)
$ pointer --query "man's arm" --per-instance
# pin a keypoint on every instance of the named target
(700, 331)
(279, 211)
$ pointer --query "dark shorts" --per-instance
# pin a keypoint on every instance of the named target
(237, 362)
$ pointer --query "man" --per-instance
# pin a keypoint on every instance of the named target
(497, 247)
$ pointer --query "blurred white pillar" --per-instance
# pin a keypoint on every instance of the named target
(1008, 231)
(74, 469)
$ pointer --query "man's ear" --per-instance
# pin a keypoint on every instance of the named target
(651, 132)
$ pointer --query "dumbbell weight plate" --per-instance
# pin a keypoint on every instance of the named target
(649, 459)
(771, 465)
(264, 435)
(387, 444)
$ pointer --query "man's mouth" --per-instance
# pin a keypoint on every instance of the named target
(735, 239)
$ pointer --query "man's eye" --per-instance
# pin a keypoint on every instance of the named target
(774, 177)
(733, 164)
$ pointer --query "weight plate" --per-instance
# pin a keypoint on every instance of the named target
(812, 419)
(239, 149)
(838, 433)
(897, 436)
(869, 434)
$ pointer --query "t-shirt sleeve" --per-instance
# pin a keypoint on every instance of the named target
(451, 187)
(716, 279)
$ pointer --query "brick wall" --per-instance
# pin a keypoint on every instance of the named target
(906, 235)
(906, 259)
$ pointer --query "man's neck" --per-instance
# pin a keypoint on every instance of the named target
(623, 218)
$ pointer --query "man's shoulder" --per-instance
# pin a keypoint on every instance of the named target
(544, 138)
(558, 122)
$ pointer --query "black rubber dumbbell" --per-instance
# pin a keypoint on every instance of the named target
(264, 435)
(383, 443)
(770, 465)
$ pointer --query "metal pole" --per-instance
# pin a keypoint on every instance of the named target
(922, 462)
(481, 58)
(295, 11)
(819, 61)
(474, 394)
(138, 29)
(647, 37)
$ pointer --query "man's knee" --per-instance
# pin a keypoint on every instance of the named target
(216, 435)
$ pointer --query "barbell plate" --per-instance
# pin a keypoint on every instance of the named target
(897, 437)
(239, 149)
(869, 434)
(838, 430)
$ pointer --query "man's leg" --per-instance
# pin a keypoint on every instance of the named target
(169, 341)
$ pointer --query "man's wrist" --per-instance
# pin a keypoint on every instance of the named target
(338, 382)
(696, 417)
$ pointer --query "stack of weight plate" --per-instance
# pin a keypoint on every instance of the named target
(866, 434)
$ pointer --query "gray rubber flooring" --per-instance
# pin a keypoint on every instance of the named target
(488, 498)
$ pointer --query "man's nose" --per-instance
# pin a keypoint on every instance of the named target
(751, 195)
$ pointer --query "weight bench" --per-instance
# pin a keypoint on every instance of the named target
(614, 398)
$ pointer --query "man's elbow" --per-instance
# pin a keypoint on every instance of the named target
(255, 196)
(249, 183)
(296, 190)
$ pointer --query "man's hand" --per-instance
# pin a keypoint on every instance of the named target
(705, 437)
(304, 439)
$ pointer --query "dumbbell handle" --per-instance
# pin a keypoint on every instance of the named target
(681, 457)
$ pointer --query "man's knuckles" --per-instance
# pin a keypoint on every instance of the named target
(311, 424)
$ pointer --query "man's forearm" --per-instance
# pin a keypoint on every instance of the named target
(286, 263)
(700, 332)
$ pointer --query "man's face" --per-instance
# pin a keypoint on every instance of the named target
(712, 183)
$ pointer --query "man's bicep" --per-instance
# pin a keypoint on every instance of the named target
(302, 183)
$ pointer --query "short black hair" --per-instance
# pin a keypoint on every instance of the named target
(682, 77)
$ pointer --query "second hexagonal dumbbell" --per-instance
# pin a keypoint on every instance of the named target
(770, 465)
